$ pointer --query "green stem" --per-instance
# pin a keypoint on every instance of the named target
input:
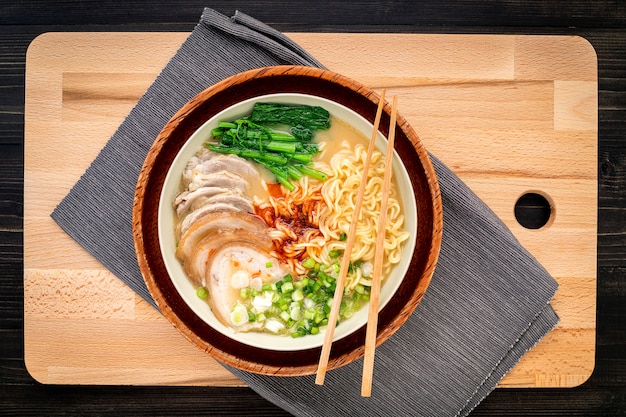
(311, 172)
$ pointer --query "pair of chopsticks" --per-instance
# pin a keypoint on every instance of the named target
(372, 319)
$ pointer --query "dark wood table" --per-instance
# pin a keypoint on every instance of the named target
(602, 23)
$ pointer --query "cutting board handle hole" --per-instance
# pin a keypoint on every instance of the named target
(534, 210)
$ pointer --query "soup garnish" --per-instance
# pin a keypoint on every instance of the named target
(287, 154)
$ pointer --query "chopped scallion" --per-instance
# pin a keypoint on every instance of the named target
(308, 263)
(202, 293)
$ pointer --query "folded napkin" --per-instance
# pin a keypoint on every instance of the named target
(487, 303)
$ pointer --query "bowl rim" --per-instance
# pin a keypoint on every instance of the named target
(296, 79)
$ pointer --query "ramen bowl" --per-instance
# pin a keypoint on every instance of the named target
(154, 218)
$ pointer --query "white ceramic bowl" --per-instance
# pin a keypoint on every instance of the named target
(167, 221)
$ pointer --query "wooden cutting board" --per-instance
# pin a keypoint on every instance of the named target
(509, 114)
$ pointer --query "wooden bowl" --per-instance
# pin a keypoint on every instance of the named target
(244, 86)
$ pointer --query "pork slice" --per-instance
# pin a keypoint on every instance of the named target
(239, 258)
(223, 179)
(193, 216)
(229, 163)
(196, 161)
(212, 243)
(215, 223)
(192, 200)
(227, 202)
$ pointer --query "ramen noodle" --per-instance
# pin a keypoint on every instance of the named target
(329, 208)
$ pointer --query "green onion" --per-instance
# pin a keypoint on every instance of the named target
(334, 253)
(308, 263)
(297, 295)
(285, 316)
(202, 293)
(301, 304)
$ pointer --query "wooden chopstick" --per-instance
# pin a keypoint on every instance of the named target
(345, 262)
(372, 317)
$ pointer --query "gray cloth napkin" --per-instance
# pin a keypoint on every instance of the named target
(487, 303)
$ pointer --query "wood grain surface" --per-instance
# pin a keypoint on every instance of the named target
(509, 114)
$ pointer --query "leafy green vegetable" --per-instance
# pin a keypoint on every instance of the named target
(310, 117)
(288, 155)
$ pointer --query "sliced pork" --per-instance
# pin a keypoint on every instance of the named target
(219, 179)
(220, 203)
(192, 200)
(225, 252)
(213, 183)
(215, 224)
(207, 162)
(233, 267)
